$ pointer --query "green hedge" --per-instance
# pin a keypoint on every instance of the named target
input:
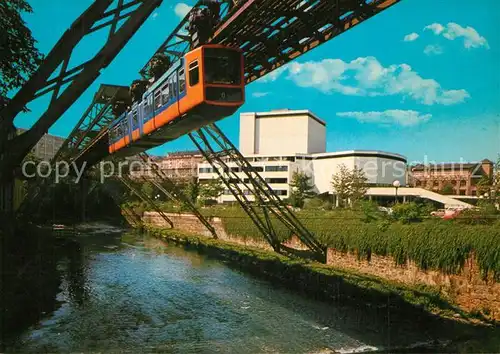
(432, 244)
(438, 245)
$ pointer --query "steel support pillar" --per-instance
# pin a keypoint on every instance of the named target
(130, 185)
(168, 187)
(266, 203)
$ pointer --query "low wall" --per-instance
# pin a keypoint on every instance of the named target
(468, 289)
(190, 223)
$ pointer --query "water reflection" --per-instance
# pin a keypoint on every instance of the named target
(140, 294)
(75, 274)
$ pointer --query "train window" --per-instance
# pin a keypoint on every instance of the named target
(165, 93)
(112, 134)
(148, 107)
(194, 73)
(158, 99)
(172, 83)
(222, 66)
(182, 81)
(135, 119)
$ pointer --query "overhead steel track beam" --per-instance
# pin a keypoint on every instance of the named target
(292, 26)
(78, 78)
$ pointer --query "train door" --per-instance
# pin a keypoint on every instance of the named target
(148, 123)
(127, 128)
(181, 89)
(140, 114)
(174, 89)
(135, 132)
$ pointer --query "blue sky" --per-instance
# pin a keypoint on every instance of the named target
(421, 79)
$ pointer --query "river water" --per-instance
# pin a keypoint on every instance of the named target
(129, 292)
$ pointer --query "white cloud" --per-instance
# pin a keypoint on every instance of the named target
(260, 94)
(452, 31)
(411, 37)
(433, 50)
(273, 75)
(368, 77)
(393, 116)
(155, 15)
(182, 9)
(437, 28)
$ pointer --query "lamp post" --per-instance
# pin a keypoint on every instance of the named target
(396, 185)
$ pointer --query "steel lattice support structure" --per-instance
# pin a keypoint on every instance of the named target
(267, 202)
(168, 187)
(129, 213)
(130, 185)
(274, 32)
(97, 117)
(69, 83)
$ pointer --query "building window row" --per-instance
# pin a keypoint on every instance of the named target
(276, 168)
(277, 180)
(254, 168)
(279, 192)
(272, 158)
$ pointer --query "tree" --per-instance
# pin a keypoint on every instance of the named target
(340, 183)
(301, 189)
(448, 189)
(19, 57)
(358, 186)
(350, 186)
(211, 190)
(148, 189)
(484, 185)
(192, 190)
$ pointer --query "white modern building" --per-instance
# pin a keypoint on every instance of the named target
(278, 143)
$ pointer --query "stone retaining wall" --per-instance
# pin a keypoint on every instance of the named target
(467, 289)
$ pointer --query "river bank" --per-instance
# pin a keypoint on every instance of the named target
(459, 263)
(133, 292)
(422, 304)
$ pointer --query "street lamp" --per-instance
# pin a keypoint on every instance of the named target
(396, 184)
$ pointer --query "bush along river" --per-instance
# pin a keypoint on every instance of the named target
(126, 291)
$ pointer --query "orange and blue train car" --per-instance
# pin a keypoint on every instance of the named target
(204, 86)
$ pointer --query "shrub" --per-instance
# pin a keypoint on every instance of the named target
(314, 203)
(406, 212)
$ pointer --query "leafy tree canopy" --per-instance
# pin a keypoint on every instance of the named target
(301, 188)
(448, 189)
(19, 57)
(349, 185)
(211, 189)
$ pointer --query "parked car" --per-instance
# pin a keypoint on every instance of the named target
(446, 214)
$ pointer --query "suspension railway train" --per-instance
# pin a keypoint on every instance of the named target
(206, 85)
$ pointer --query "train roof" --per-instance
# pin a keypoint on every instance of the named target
(173, 67)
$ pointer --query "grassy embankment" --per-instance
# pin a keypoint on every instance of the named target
(431, 244)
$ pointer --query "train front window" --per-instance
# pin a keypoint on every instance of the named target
(194, 73)
(222, 66)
